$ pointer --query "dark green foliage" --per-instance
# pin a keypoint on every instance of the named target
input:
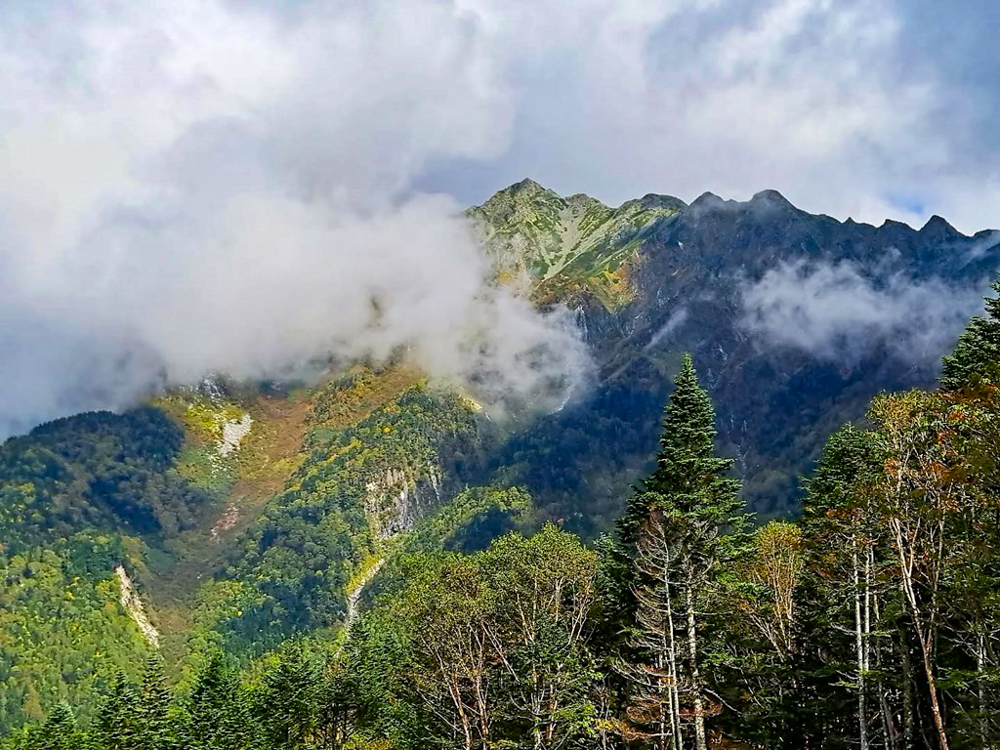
(679, 532)
(216, 715)
(153, 709)
(116, 725)
(98, 469)
(977, 354)
(380, 659)
(59, 732)
(851, 457)
(689, 478)
(287, 699)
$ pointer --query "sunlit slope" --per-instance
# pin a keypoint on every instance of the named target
(795, 321)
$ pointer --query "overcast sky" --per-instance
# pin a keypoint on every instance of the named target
(872, 109)
(198, 185)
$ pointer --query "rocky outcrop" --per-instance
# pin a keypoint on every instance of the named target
(131, 603)
(397, 499)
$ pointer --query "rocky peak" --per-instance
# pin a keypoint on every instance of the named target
(709, 201)
(537, 237)
(771, 199)
(656, 201)
(938, 230)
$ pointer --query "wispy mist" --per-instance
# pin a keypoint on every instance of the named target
(837, 312)
(188, 187)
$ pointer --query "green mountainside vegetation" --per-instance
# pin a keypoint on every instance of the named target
(371, 563)
(223, 518)
(871, 621)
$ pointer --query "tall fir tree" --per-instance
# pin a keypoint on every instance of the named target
(690, 478)
(217, 715)
(117, 725)
(681, 524)
(59, 732)
(153, 709)
(286, 700)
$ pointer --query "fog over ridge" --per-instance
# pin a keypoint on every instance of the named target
(196, 186)
(837, 311)
(202, 190)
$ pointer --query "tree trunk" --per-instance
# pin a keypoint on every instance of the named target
(924, 634)
(536, 710)
(859, 645)
(888, 724)
(673, 692)
(692, 633)
(980, 668)
(908, 728)
(925, 649)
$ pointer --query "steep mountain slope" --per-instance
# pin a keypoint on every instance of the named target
(234, 516)
(549, 246)
(795, 320)
(225, 516)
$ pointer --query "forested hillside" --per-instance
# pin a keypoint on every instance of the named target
(871, 621)
(225, 517)
(76, 496)
(374, 559)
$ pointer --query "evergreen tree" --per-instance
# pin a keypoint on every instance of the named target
(689, 478)
(217, 716)
(153, 710)
(117, 724)
(977, 353)
(59, 732)
(680, 525)
(286, 701)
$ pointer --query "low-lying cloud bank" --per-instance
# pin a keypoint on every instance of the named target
(191, 187)
(837, 312)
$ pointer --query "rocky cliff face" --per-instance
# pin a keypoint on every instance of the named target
(396, 500)
(795, 320)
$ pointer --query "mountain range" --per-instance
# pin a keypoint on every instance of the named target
(795, 320)
(232, 515)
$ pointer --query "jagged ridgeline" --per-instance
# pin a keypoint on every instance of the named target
(795, 320)
(233, 517)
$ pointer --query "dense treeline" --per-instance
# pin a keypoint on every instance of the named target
(73, 493)
(872, 621)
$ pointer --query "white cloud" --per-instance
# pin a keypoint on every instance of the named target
(827, 102)
(187, 187)
(228, 185)
(837, 312)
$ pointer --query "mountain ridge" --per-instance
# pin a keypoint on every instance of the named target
(763, 195)
(794, 320)
(696, 277)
